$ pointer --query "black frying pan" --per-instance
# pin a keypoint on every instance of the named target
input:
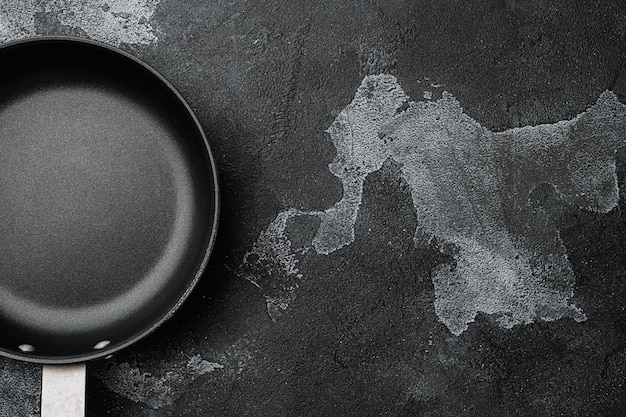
(108, 200)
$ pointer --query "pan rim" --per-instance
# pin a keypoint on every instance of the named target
(52, 360)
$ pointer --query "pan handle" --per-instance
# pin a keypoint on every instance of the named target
(63, 390)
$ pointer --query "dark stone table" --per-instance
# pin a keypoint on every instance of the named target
(421, 208)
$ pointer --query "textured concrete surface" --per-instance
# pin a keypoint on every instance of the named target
(422, 208)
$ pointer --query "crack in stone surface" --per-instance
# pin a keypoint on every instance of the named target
(472, 190)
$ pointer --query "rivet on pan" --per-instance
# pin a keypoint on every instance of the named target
(26, 348)
(102, 345)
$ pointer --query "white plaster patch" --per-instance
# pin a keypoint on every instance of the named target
(16, 19)
(161, 384)
(272, 247)
(459, 187)
(160, 387)
(360, 152)
(471, 190)
(112, 21)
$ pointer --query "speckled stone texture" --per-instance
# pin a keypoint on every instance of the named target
(475, 267)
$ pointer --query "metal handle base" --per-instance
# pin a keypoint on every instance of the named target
(63, 390)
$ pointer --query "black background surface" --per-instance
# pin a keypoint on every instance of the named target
(266, 79)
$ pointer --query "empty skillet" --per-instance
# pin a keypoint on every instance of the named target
(108, 201)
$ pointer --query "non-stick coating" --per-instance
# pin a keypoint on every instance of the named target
(108, 200)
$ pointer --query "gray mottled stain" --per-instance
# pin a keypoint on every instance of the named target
(113, 21)
(471, 189)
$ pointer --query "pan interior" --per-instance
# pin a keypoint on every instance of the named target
(106, 200)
